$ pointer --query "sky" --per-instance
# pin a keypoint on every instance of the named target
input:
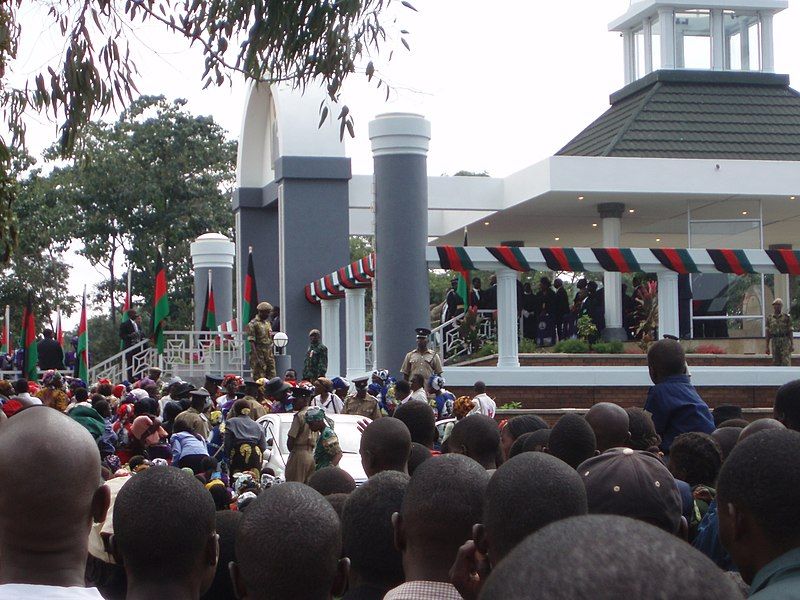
(504, 83)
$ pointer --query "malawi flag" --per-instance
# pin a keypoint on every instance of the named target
(126, 307)
(30, 357)
(463, 288)
(209, 310)
(5, 342)
(250, 292)
(83, 343)
(59, 330)
(160, 305)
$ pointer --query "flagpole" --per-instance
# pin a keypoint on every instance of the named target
(86, 327)
(7, 329)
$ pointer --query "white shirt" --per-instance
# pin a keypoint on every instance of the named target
(484, 405)
(333, 405)
(23, 591)
(419, 396)
(27, 399)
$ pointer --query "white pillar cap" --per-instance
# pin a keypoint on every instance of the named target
(400, 133)
(212, 250)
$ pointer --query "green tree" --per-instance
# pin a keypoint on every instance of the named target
(292, 41)
(157, 178)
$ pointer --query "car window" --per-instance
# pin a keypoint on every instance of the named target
(349, 437)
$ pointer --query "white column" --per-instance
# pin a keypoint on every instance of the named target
(666, 21)
(647, 32)
(611, 217)
(744, 50)
(356, 328)
(717, 40)
(330, 335)
(668, 304)
(767, 48)
(507, 334)
(629, 56)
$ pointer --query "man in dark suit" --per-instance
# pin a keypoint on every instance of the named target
(476, 296)
(131, 334)
(51, 355)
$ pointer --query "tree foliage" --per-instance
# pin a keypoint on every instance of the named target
(295, 42)
(157, 178)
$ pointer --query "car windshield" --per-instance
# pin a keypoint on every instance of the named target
(347, 432)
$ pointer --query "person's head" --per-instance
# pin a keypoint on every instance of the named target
(760, 425)
(420, 420)
(444, 499)
(777, 306)
(275, 312)
(385, 446)
(665, 358)
(323, 386)
(462, 406)
(284, 528)
(171, 410)
(290, 375)
(241, 408)
(314, 336)
(80, 395)
(479, 387)
(557, 283)
(635, 484)
(724, 412)
(606, 557)
(572, 440)
(38, 543)
(419, 454)
(21, 386)
(103, 408)
(263, 309)
(361, 384)
(526, 493)
(164, 530)
(787, 405)
(610, 424)
(695, 458)
(758, 493)
(402, 389)
(222, 588)
(476, 283)
(526, 288)
(642, 430)
(208, 466)
(48, 334)
(367, 535)
(544, 284)
(454, 283)
(534, 441)
(517, 426)
(478, 437)
(332, 480)
(417, 382)
(422, 338)
(740, 423)
(198, 399)
(315, 419)
(591, 287)
(492, 279)
(133, 314)
(727, 438)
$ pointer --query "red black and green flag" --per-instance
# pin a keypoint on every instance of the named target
(160, 305)
(510, 256)
(5, 344)
(675, 259)
(209, 310)
(250, 292)
(83, 343)
(731, 261)
(617, 260)
(562, 259)
(30, 356)
(786, 261)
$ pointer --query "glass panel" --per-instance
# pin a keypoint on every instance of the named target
(716, 296)
(726, 234)
(729, 208)
(638, 48)
(693, 39)
(742, 41)
(655, 27)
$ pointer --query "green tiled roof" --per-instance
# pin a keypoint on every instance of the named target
(697, 114)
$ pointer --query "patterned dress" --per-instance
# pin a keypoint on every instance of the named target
(780, 332)
(326, 449)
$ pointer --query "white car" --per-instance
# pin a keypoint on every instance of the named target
(276, 427)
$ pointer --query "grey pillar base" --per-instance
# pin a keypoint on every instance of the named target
(614, 334)
(283, 362)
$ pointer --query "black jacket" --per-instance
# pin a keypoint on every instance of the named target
(51, 355)
(129, 334)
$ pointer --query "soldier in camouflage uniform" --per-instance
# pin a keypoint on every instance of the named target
(779, 332)
(316, 361)
(259, 334)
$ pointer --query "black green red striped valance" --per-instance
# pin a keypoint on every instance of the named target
(676, 259)
(617, 260)
(455, 259)
(511, 257)
(786, 261)
(731, 261)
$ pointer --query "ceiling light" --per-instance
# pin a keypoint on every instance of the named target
(744, 212)
(658, 239)
(580, 197)
(631, 210)
(558, 238)
(486, 222)
(594, 224)
(792, 198)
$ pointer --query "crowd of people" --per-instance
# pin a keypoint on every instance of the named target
(159, 490)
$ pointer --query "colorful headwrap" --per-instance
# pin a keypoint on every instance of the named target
(245, 499)
(113, 463)
(188, 470)
(267, 480)
(215, 417)
(51, 378)
(160, 462)
(374, 389)
(103, 381)
(230, 377)
(6, 388)
(119, 390)
(214, 483)
(75, 383)
(305, 388)
(143, 383)
(33, 387)
(382, 374)
(316, 414)
(244, 481)
(340, 383)
(436, 382)
(462, 406)
(12, 407)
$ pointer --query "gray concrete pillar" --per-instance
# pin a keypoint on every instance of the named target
(401, 294)
(611, 217)
(214, 253)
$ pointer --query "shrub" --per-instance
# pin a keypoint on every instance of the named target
(527, 346)
(487, 350)
(572, 347)
(609, 348)
(511, 406)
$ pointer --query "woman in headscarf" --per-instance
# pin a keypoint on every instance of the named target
(244, 440)
(301, 441)
(231, 384)
(327, 452)
(461, 408)
(151, 437)
(52, 394)
(325, 398)
(444, 400)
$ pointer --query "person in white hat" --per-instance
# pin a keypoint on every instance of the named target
(780, 333)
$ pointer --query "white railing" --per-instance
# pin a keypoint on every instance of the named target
(447, 340)
(189, 355)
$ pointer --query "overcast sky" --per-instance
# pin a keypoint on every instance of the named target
(504, 83)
